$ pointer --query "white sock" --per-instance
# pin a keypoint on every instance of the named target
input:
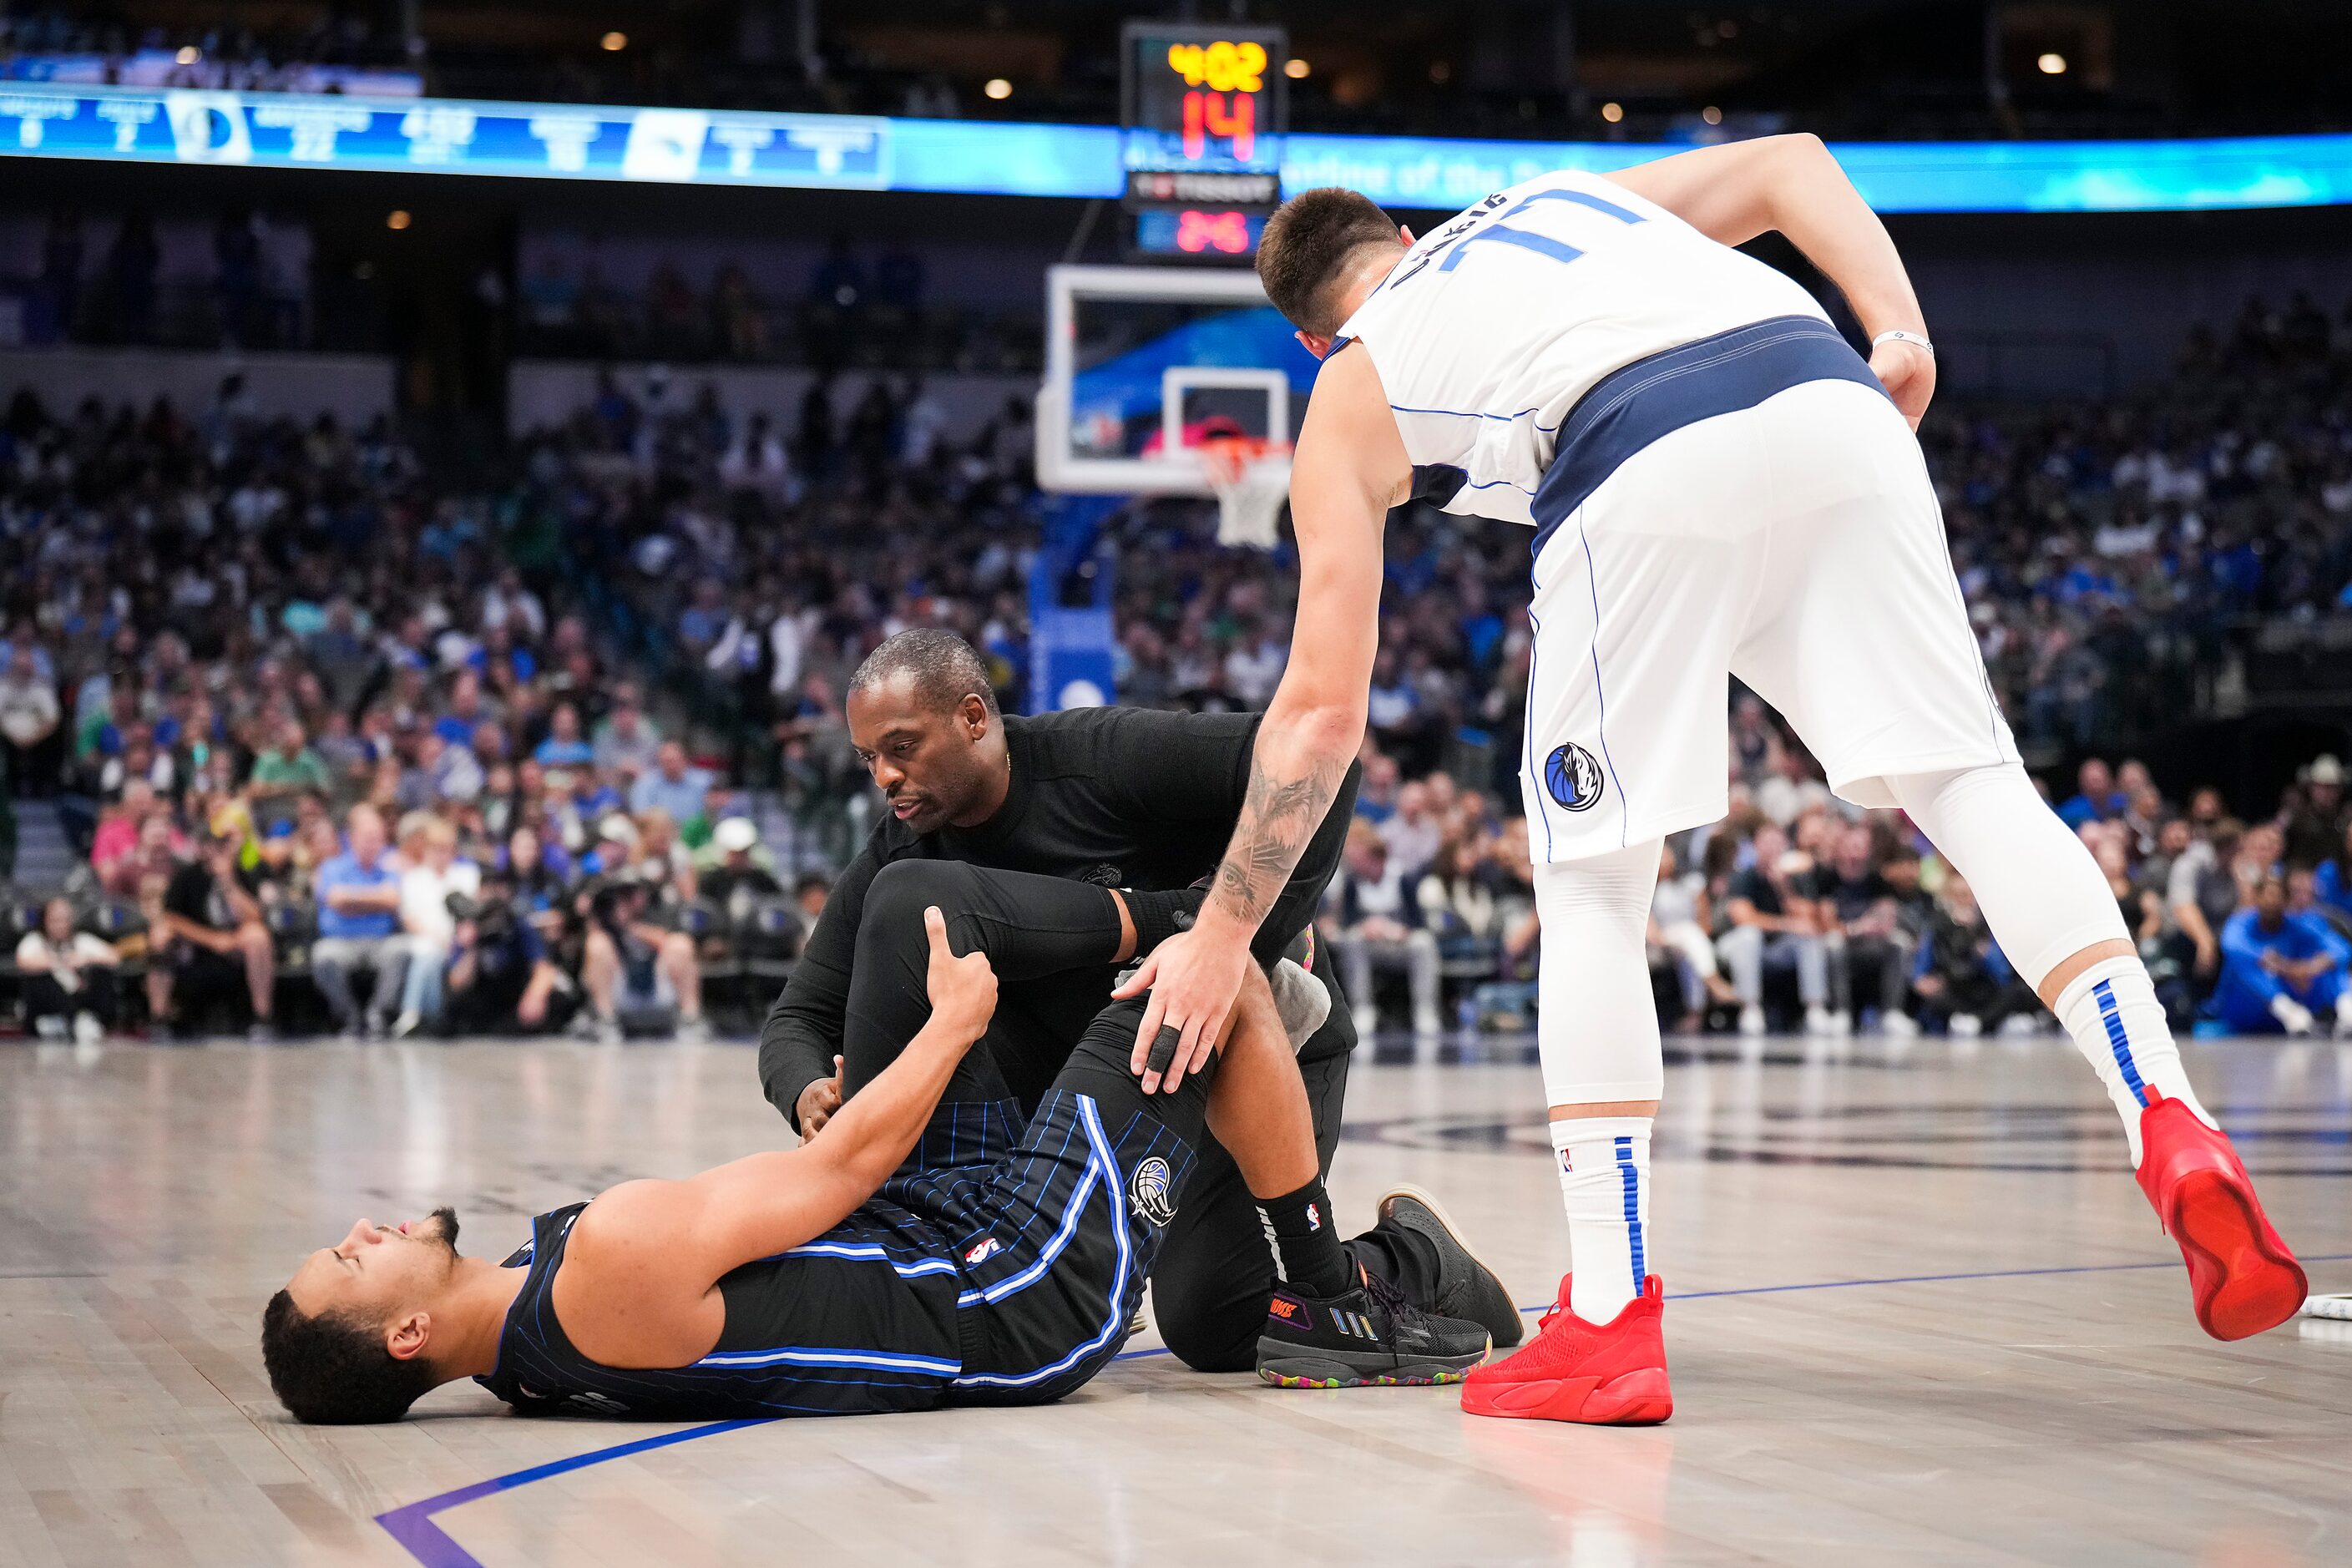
(1604, 1184)
(2112, 1011)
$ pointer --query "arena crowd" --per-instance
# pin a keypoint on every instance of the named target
(514, 748)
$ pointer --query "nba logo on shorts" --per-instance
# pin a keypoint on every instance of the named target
(1573, 777)
(982, 1251)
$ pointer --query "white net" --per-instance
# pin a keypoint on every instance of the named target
(1251, 480)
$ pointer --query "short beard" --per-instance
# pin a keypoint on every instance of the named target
(445, 1230)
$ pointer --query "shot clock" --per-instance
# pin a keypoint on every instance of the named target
(1205, 107)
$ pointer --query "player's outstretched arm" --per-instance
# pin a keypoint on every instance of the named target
(1791, 184)
(1349, 469)
(636, 1284)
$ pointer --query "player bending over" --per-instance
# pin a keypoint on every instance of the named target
(999, 1267)
(1717, 486)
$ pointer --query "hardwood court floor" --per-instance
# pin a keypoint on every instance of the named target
(1924, 1318)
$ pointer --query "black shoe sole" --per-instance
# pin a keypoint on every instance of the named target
(1507, 1326)
(1288, 1366)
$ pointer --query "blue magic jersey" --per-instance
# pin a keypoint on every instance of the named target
(1000, 1265)
(1497, 323)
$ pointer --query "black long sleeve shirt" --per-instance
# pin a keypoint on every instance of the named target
(1122, 797)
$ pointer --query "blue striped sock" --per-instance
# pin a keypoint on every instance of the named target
(2117, 1024)
(1604, 1184)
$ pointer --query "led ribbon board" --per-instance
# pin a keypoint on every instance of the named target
(301, 130)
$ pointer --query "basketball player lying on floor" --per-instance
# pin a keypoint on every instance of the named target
(999, 1266)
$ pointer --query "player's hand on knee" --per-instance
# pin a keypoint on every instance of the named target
(962, 990)
(818, 1101)
(1192, 984)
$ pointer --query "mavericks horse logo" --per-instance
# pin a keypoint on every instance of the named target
(1573, 777)
(1151, 1192)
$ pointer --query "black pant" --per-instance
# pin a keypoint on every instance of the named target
(44, 998)
(1051, 943)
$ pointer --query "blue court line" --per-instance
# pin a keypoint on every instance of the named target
(413, 1525)
(414, 1528)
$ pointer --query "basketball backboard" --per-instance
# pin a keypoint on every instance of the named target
(1143, 363)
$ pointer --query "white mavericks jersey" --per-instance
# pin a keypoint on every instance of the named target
(1497, 324)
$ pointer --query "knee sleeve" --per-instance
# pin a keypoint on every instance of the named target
(1597, 1026)
(2041, 892)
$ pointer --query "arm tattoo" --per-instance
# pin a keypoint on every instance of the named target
(1278, 816)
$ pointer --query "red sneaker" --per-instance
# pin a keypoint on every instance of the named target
(2242, 1275)
(1609, 1374)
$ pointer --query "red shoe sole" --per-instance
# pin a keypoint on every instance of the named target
(2242, 1282)
(1631, 1399)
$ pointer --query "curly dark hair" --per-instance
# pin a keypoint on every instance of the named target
(332, 1370)
(1307, 248)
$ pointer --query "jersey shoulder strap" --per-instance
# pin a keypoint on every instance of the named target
(531, 1332)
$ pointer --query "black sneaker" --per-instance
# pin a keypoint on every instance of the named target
(1466, 1287)
(1367, 1336)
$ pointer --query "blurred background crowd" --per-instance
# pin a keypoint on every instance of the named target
(312, 729)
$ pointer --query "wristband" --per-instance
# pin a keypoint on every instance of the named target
(1898, 335)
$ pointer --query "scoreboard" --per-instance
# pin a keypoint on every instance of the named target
(1203, 108)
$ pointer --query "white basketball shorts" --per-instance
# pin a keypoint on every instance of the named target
(1796, 543)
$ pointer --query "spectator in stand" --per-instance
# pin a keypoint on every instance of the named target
(2142, 906)
(1414, 834)
(284, 771)
(1376, 802)
(269, 867)
(640, 979)
(2202, 893)
(2315, 825)
(1379, 929)
(431, 874)
(2095, 797)
(2282, 970)
(2332, 881)
(563, 747)
(1869, 953)
(1963, 979)
(214, 944)
(810, 891)
(69, 978)
(672, 786)
(1772, 928)
(626, 741)
(29, 716)
(1458, 906)
(1679, 918)
(743, 870)
(358, 894)
(2261, 850)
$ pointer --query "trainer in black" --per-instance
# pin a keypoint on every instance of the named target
(1367, 1336)
(1466, 1288)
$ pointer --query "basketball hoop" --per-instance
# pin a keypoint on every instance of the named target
(1250, 476)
